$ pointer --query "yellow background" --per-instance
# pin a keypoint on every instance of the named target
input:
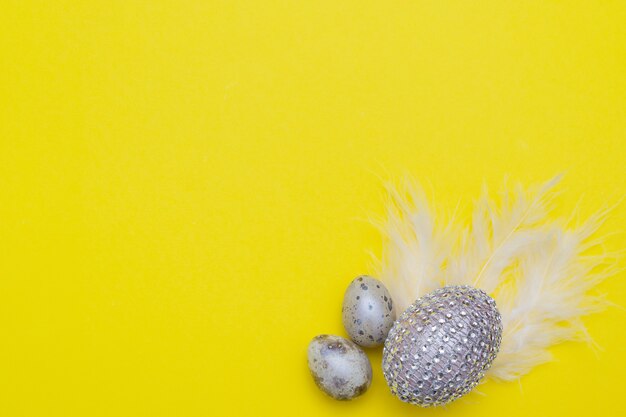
(183, 187)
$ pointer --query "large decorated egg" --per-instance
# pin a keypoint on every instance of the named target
(441, 346)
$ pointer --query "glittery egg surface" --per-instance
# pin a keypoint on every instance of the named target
(339, 367)
(441, 346)
(367, 311)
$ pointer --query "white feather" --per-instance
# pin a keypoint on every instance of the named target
(537, 268)
(498, 234)
(415, 247)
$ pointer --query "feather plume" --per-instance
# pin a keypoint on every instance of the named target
(538, 269)
(415, 247)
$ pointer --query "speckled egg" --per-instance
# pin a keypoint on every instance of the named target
(368, 312)
(339, 367)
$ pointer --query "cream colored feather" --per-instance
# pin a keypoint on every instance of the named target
(537, 268)
(415, 246)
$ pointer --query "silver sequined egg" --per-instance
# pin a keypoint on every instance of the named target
(339, 367)
(367, 312)
(441, 346)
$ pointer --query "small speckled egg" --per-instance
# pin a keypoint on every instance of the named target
(368, 312)
(339, 367)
